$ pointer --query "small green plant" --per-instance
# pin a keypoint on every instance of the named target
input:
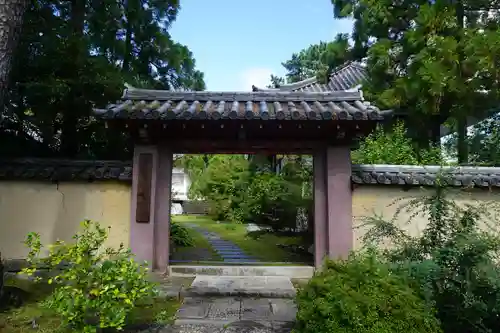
(96, 287)
(362, 295)
(180, 235)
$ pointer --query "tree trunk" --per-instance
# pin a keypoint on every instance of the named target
(462, 144)
(462, 149)
(11, 21)
(1, 280)
(74, 102)
(132, 8)
(128, 38)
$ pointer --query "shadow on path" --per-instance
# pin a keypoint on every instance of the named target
(227, 250)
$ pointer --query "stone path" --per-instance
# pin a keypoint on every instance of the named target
(231, 314)
(227, 250)
(236, 327)
(227, 314)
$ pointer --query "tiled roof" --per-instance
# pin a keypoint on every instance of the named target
(345, 77)
(425, 175)
(281, 105)
(65, 170)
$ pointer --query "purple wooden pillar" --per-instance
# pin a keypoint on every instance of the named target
(320, 208)
(150, 205)
(162, 208)
(339, 198)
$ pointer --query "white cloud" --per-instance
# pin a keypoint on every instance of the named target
(256, 76)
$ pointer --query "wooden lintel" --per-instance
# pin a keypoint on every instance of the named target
(245, 147)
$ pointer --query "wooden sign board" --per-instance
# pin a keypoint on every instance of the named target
(143, 208)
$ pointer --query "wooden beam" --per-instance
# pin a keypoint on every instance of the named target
(245, 147)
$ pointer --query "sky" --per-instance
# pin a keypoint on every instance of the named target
(240, 43)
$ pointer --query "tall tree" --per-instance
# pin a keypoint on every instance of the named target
(75, 55)
(316, 60)
(11, 20)
(435, 60)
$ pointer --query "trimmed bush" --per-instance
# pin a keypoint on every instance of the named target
(362, 295)
(180, 235)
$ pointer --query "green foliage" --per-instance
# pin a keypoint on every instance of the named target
(483, 142)
(219, 179)
(240, 190)
(180, 235)
(394, 148)
(272, 200)
(73, 56)
(434, 60)
(362, 295)
(316, 60)
(453, 264)
(95, 287)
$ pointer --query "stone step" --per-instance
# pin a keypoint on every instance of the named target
(226, 247)
(242, 313)
(240, 260)
(230, 251)
(233, 255)
(297, 272)
(227, 244)
(221, 326)
(242, 286)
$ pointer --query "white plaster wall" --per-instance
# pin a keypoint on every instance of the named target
(56, 210)
(180, 184)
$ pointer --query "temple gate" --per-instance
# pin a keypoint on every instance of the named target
(325, 125)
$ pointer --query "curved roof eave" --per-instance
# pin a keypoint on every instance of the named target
(345, 77)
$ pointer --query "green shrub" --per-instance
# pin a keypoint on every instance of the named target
(272, 201)
(394, 147)
(95, 287)
(243, 191)
(362, 295)
(453, 264)
(180, 235)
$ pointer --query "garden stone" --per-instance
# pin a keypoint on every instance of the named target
(253, 227)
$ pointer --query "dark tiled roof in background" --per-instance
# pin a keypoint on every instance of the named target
(168, 105)
(425, 175)
(64, 170)
(345, 77)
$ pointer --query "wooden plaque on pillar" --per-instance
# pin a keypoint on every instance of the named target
(143, 208)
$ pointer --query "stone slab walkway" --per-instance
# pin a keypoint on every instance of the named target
(246, 286)
(235, 327)
(222, 314)
(231, 314)
(227, 250)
